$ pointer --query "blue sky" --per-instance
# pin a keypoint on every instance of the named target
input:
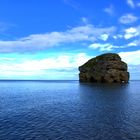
(49, 39)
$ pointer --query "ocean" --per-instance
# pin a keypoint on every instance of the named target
(69, 110)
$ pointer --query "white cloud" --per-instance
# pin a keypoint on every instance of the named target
(131, 3)
(62, 64)
(37, 42)
(128, 18)
(131, 32)
(132, 58)
(104, 37)
(109, 10)
(104, 47)
(118, 36)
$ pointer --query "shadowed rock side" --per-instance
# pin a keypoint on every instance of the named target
(107, 68)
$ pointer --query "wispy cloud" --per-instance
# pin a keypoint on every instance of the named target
(110, 10)
(75, 5)
(128, 18)
(104, 47)
(131, 3)
(134, 43)
(5, 26)
(85, 20)
(38, 42)
(138, 4)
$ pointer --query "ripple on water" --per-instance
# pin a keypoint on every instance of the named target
(67, 110)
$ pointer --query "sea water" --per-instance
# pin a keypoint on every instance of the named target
(69, 110)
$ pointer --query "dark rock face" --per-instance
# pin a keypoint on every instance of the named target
(106, 68)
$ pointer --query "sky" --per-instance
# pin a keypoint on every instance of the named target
(50, 39)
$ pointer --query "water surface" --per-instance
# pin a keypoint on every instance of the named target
(69, 110)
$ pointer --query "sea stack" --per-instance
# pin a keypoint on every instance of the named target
(105, 68)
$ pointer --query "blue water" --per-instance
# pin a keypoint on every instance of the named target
(69, 110)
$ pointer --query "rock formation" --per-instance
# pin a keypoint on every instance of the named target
(106, 68)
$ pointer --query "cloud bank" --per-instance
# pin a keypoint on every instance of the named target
(38, 42)
(61, 66)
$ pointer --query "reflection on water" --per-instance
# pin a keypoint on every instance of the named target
(69, 110)
(115, 108)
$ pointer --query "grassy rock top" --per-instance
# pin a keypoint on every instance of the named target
(104, 57)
